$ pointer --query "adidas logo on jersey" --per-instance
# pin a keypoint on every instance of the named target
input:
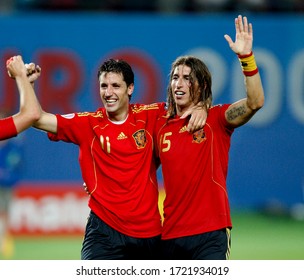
(121, 136)
(183, 129)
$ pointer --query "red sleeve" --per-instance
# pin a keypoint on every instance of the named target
(66, 128)
(223, 109)
(71, 128)
(7, 128)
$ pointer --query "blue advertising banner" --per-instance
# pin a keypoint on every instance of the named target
(267, 154)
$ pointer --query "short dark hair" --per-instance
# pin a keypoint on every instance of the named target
(117, 66)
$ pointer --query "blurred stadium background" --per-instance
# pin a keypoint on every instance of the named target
(69, 39)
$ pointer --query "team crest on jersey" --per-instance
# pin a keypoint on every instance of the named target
(140, 138)
(199, 136)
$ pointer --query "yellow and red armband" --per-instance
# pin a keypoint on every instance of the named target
(248, 64)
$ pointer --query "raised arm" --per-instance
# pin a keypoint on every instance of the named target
(242, 111)
(30, 110)
(47, 121)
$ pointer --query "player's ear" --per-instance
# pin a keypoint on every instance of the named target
(130, 89)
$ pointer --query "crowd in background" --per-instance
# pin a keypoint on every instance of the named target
(160, 6)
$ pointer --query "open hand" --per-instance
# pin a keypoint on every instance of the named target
(243, 36)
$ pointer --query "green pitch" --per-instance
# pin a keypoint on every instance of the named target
(254, 237)
(265, 237)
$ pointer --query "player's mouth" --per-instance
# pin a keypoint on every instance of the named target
(179, 93)
(111, 101)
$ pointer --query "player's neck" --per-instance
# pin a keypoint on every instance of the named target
(118, 120)
(181, 110)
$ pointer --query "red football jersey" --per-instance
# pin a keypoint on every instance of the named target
(194, 169)
(7, 128)
(118, 166)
